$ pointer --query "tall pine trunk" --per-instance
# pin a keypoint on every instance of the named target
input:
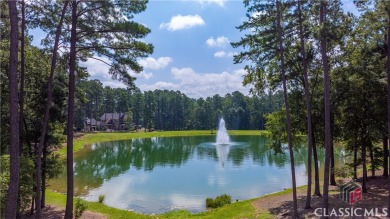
(332, 174)
(22, 74)
(364, 182)
(44, 168)
(355, 161)
(308, 108)
(21, 92)
(47, 113)
(388, 87)
(385, 157)
(33, 153)
(69, 143)
(327, 105)
(371, 149)
(317, 191)
(13, 186)
(288, 118)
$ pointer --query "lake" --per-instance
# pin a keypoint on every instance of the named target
(155, 175)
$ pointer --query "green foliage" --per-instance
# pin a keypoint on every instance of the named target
(101, 198)
(219, 201)
(276, 125)
(173, 110)
(277, 131)
(54, 166)
(4, 179)
(80, 207)
(26, 181)
(343, 170)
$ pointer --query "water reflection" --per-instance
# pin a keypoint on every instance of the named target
(158, 174)
(222, 153)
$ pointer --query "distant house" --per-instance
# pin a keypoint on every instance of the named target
(90, 125)
(114, 121)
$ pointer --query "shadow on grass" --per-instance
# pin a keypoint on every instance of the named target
(375, 198)
(49, 212)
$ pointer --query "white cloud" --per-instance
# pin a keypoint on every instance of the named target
(218, 2)
(180, 22)
(196, 85)
(144, 75)
(218, 42)
(220, 54)
(112, 83)
(99, 70)
(161, 85)
(152, 63)
(223, 54)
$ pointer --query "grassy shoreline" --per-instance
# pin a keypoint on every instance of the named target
(242, 209)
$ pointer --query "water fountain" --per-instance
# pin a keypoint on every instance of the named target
(223, 142)
(222, 135)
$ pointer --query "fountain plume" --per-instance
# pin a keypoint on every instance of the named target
(222, 135)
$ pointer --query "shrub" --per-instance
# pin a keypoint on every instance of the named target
(26, 182)
(343, 170)
(80, 207)
(219, 201)
(101, 198)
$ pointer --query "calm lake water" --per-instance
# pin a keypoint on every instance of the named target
(155, 175)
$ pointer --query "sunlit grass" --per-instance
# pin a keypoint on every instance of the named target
(242, 209)
(59, 200)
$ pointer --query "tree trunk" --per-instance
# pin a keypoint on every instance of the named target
(355, 161)
(308, 109)
(288, 119)
(44, 166)
(388, 87)
(13, 186)
(364, 182)
(34, 188)
(69, 150)
(22, 73)
(370, 148)
(332, 175)
(317, 191)
(32, 202)
(47, 111)
(385, 157)
(21, 93)
(327, 105)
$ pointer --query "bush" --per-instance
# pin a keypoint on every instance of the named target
(80, 207)
(26, 182)
(101, 198)
(219, 201)
(343, 170)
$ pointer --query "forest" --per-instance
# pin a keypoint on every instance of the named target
(173, 110)
(315, 71)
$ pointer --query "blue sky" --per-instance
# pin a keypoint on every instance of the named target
(192, 51)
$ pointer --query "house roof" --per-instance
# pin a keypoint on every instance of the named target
(116, 116)
(91, 121)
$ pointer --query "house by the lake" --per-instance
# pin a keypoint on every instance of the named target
(113, 121)
(91, 124)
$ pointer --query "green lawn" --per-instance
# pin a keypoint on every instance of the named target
(242, 209)
(236, 210)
